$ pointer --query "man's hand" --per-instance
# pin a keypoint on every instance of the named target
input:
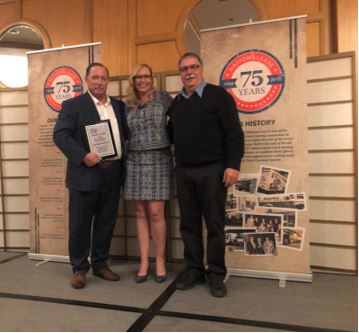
(91, 159)
(230, 176)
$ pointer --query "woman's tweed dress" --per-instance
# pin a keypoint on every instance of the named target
(149, 160)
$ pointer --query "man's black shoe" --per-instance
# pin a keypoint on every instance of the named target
(218, 288)
(187, 279)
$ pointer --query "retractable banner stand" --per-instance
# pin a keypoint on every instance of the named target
(263, 66)
(55, 75)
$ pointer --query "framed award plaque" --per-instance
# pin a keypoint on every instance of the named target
(100, 139)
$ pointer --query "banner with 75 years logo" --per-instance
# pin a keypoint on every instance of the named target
(262, 66)
(55, 75)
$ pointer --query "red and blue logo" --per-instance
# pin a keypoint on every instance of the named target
(62, 83)
(255, 79)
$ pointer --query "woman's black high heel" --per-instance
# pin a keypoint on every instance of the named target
(160, 278)
(142, 278)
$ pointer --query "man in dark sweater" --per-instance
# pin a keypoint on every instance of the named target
(209, 145)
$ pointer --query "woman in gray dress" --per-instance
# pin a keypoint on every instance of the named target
(149, 166)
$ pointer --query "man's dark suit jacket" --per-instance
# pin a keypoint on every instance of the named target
(69, 137)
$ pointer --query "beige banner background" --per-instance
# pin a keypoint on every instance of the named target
(48, 194)
(285, 39)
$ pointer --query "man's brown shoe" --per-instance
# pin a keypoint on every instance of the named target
(78, 280)
(106, 274)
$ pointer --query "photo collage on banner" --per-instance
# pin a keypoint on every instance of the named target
(261, 215)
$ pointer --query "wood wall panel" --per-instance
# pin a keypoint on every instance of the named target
(333, 234)
(333, 175)
(313, 39)
(270, 9)
(327, 139)
(131, 227)
(336, 258)
(173, 83)
(327, 162)
(10, 150)
(17, 204)
(347, 25)
(8, 98)
(13, 114)
(153, 55)
(14, 133)
(18, 239)
(67, 22)
(111, 28)
(126, 26)
(16, 186)
(159, 32)
(319, 20)
(15, 168)
(8, 13)
(117, 247)
(329, 69)
(17, 221)
(330, 91)
(331, 114)
(119, 227)
(332, 186)
(113, 88)
(177, 249)
(158, 16)
(175, 228)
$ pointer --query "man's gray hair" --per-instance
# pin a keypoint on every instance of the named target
(190, 55)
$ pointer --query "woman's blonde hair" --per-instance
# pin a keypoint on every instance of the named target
(132, 97)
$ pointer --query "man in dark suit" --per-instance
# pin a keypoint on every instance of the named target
(93, 182)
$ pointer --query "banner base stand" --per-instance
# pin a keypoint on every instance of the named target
(281, 276)
(48, 257)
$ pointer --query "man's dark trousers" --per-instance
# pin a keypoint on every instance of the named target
(92, 217)
(201, 192)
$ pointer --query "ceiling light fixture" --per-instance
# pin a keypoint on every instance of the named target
(14, 31)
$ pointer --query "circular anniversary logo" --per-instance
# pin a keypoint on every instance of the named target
(61, 84)
(255, 79)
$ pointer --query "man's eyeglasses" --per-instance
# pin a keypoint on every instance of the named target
(142, 77)
(193, 67)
